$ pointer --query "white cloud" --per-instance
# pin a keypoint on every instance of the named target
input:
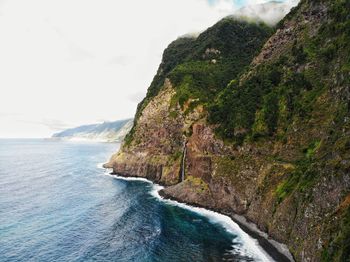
(77, 61)
(271, 12)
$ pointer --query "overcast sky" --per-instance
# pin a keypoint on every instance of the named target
(65, 63)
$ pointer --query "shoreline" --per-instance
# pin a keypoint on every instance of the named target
(275, 250)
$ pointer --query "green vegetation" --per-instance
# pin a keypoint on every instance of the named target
(204, 65)
(301, 179)
(173, 55)
(250, 108)
(303, 176)
(313, 147)
(303, 89)
(201, 67)
(197, 183)
(339, 248)
(176, 156)
(216, 58)
(271, 96)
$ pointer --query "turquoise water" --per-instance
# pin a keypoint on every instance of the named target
(56, 204)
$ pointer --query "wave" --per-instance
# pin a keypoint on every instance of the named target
(100, 165)
(252, 249)
(250, 246)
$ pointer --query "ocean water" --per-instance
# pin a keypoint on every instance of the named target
(58, 204)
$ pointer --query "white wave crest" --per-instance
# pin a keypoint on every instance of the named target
(100, 166)
(250, 246)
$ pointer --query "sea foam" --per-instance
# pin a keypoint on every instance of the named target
(100, 166)
(249, 247)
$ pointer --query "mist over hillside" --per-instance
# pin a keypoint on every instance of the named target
(270, 13)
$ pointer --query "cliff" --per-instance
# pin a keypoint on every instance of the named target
(264, 135)
(105, 132)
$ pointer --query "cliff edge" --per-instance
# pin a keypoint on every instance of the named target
(256, 123)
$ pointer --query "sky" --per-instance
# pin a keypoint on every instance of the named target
(65, 63)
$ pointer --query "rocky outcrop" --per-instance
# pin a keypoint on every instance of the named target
(159, 136)
(291, 29)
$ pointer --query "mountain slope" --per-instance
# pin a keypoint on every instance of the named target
(200, 67)
(106, 131)
(269, 141)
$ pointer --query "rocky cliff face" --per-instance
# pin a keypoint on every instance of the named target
(272, 145)
(157, 138)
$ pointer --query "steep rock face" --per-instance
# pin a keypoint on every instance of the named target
(158, 136)
(273, 145)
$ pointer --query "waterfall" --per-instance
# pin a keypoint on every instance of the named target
(183, 162)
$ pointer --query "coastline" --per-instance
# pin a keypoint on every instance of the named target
(273, 249)
(277, 251)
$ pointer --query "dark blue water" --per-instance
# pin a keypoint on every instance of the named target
(57, 205)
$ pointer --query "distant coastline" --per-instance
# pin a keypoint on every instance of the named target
(104, 132)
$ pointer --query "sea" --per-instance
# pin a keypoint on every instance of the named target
(57, 203)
